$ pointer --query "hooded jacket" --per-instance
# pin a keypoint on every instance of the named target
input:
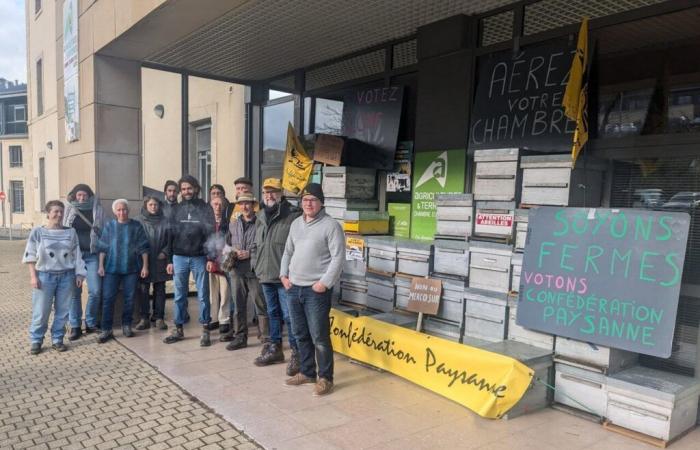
(158, 232)
(98, 215)
(191, 224)
(270, 239)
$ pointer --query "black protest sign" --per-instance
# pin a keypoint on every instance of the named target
(518, 101)
(373, 116)
(424, 296)
(606, 276)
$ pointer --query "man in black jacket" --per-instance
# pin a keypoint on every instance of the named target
(192, 222)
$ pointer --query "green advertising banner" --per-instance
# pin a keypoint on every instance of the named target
(440, 172)
(400, 214)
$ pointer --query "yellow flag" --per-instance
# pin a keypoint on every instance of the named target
(297, 164)
(575, 99)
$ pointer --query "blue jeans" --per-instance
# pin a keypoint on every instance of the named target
(182, 266)
(112, 281)
(94, 283)
(278, 310)
(56, 289)
(312, 329)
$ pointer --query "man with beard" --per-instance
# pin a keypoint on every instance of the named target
(192, 222)
(170, 192)
(272, 229)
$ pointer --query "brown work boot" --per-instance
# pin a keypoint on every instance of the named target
(294, 364)
(273, 355)
(176, 336)
(298, 380)
(323, 387)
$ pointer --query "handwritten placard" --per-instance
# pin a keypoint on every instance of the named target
(518, 99)
(606, 276)
(329, 149)
(424, 296)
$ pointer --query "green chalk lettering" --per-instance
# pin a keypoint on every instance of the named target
(618, 218)
(560, 216)
(590, 329)
(602, 218)
(580, 218)
(644, 265)
(623, 258)
(665, 226)
(547, 312)
(565, 255)
(544, 252)
(590, 258)
(644, 229)
(676, 271)
(646, 336)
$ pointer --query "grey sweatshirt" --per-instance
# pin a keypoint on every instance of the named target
(54, 250)
(314, 251)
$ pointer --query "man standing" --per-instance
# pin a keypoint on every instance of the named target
(242, 185)
(311, 266)
(192, 222)
(170, 192)
(272, 229)
(245, 283)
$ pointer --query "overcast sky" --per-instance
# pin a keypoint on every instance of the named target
(13, 41)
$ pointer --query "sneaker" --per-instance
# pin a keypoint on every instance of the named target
(161, 325)
(35, 348)
(104, 337)
(224, 328)
(294, 364)
(323, 387)
(213, 326)
(237, 343)
(176, 336)
(298, 380)
(59, 346)
(127, 332)
(205, 340)
(273, 355)
(143, 324)
(75, 334)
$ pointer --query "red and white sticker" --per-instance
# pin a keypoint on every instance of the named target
(495, 220)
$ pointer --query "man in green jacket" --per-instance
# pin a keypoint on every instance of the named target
(272, 229)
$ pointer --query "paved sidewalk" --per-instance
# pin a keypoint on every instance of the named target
(93, 396)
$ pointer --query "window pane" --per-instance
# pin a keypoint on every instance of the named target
(273, 94)
(17, 188)
(307, 115)
(20, 113)
(329, 116)
(684, 110)
(623, 113)
(39, 88)
(15, 156)
(275, 120)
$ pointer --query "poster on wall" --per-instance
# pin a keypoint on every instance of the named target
(399, 180)
(518, 99)
(606, 276)
(373, 116)
(71, 82)
(440, 172)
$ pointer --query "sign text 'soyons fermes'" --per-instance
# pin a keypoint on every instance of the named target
(606, 276)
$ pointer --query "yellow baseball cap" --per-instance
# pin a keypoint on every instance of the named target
(272, 183)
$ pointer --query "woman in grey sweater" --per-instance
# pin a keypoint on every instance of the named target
(56, 268)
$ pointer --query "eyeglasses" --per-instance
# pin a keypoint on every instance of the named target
(310, 200)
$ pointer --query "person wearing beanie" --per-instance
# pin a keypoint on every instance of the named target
(273, 223)
(84, 213)
(311, 266)
(192, 222)
(170, 191)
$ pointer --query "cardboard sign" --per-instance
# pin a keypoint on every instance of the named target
(424, 295)
(606, 276)
(329, 149)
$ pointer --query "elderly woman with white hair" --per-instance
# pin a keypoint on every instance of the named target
(123, 257)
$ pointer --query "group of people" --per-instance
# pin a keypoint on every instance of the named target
(281, 259)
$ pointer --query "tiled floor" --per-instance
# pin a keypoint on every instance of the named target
(368, 409)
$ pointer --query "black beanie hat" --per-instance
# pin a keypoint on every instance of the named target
(80, 187)
(315, 190)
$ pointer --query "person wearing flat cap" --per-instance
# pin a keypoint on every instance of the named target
(311, 266)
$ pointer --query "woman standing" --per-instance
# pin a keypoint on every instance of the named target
(159, 256)
(219, 285)
(123, 254)
(84, 213)
(56, 268)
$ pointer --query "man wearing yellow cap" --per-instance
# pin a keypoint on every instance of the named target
(274, 220)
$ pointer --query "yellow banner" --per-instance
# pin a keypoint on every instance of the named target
(297, 164)
(575, 99)
(487, 383)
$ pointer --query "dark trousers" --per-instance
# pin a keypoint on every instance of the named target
(158, 310)
(310, 313)
(245, 289)
(110, 288)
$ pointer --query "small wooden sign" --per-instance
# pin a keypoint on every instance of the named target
(424, 296)
(329, 149)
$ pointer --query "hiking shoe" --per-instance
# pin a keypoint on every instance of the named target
(143, 324)
(59, 346)
(273, 355)
(237, 343)
(298, 380)
(126, 331)
(205, 340)
(89, 330)
(213, 326)
(104, 337)
(35, 348)
(75, 334)
(224, 328)
(176, 336)
(294, 364)
(161, 325)
(323, 387)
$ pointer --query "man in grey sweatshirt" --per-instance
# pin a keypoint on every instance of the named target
(311, 266)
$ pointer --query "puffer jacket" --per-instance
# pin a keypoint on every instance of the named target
(158, 232)
(191, 224)
(270, 239)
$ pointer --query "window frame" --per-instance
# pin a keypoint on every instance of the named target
(17, 196)
(16, 108)
(15, 150)
(39, 68)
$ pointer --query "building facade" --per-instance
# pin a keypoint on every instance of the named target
(17, 179)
